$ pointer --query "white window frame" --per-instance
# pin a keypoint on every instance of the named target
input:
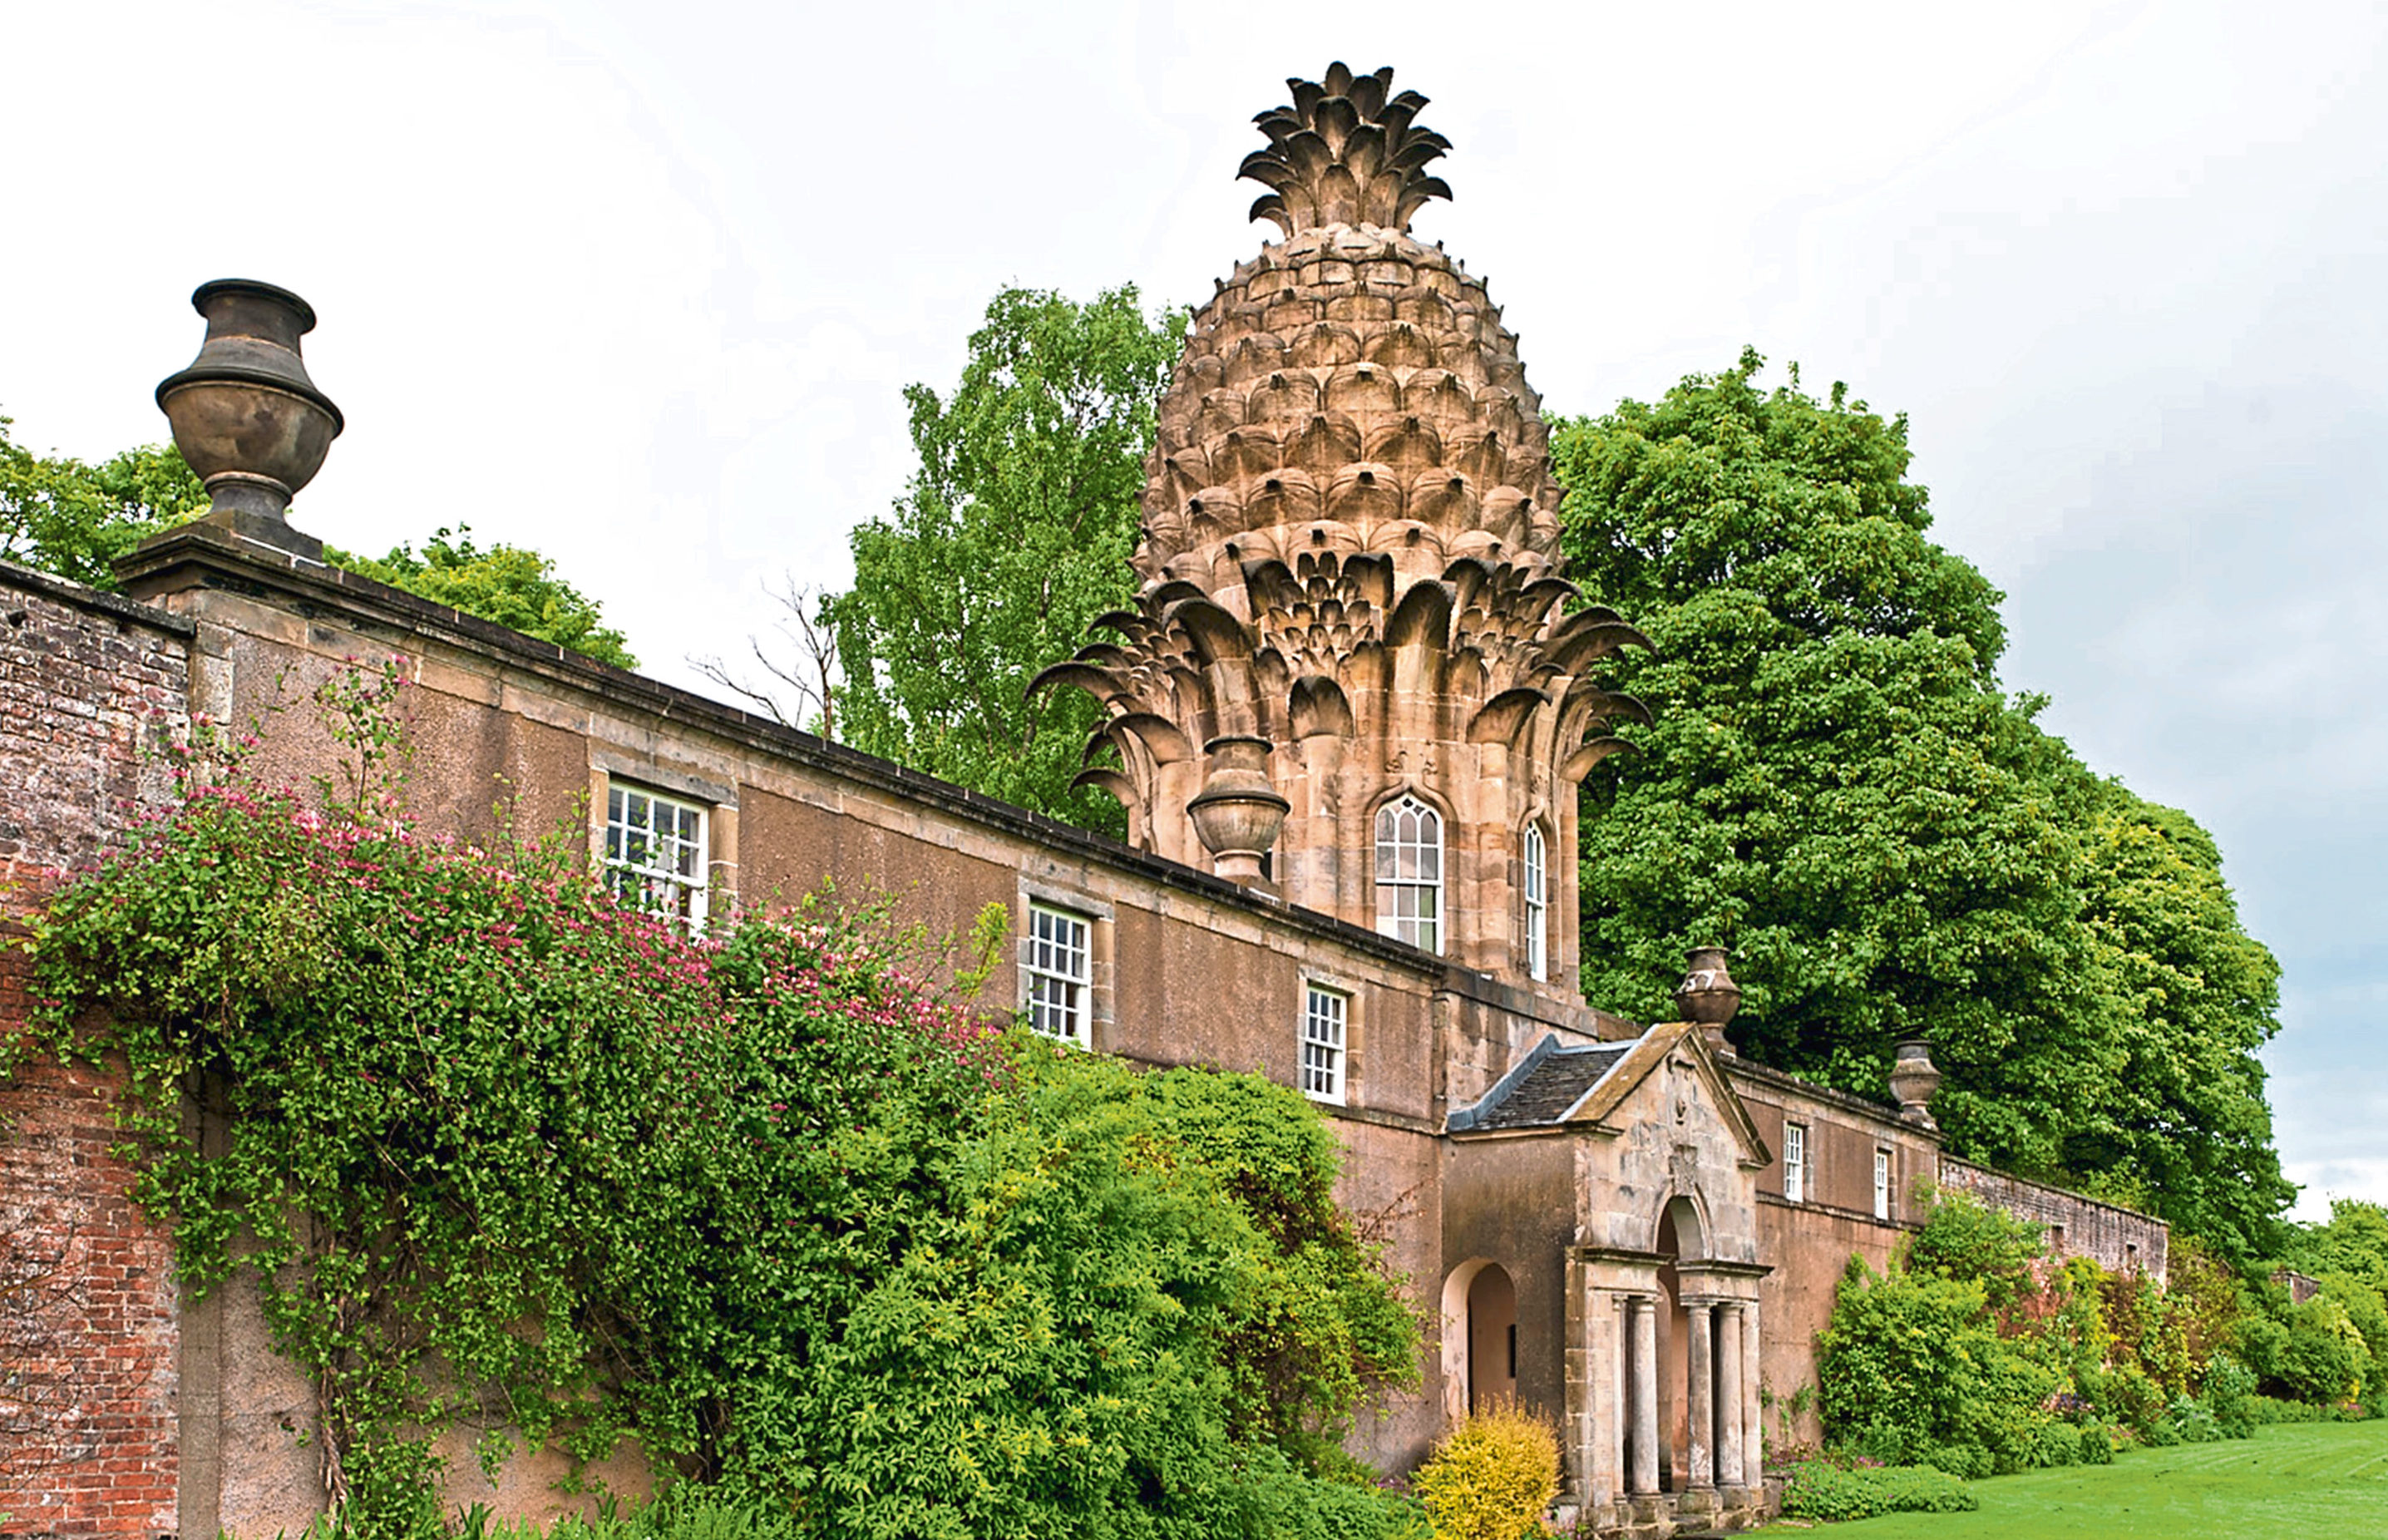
(1409, 873)
(1882, 1168)
(1533, 852)
(1326, 1056)
(1058, 972)
(667, 872)
(1795, 1162)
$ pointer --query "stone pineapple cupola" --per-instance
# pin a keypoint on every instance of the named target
(1351, 665)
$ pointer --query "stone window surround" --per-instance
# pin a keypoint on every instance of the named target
(718, 798)
(1798, 1163)
(1443, 884)
(1101, 941)
(658, 853)
(1353, 1030)
(1060, 968)
(1533, 871)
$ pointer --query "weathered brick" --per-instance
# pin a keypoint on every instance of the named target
(92, 1327)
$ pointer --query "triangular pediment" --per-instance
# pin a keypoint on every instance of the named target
(1598, 1108)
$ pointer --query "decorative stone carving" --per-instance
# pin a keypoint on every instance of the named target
(1349, 552)
(1238, 813)
(1708, 994)
(1913, 1078)
(245, 413)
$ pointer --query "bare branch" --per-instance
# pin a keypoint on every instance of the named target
(809, 679)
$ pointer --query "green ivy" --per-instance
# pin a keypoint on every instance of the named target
(495, 1150)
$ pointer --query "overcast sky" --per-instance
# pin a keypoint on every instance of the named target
(640, 285)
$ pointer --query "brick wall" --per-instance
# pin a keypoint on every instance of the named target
(2117, 1239)
(87, 1301)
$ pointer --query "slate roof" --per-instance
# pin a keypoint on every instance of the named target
(1555, 1083)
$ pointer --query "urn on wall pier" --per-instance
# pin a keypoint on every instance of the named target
(246, 417)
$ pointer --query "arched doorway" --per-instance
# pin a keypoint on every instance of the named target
(1681, 1238)
(1480, 1337)
(1491, 1338)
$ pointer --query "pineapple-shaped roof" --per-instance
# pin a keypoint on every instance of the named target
(1350, 538)
(1351, 390)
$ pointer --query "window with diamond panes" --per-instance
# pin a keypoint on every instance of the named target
(656, 854)
(1538, 908)
(1409, 874)
(1326, 1016)
(1060, 972)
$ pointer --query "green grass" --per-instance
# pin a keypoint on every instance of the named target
(2325, 1478)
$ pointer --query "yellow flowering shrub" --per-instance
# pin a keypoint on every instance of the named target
(1491, 1477)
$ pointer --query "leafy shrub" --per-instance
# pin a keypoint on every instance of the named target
(1914, 1371)
(1823, 1489)
(1491, 1477)
(2310, 1352)
(683, 1512)
(2230, 1393)
(2059, 1443)
(2191, 1420)
(2267, 1410)
(767, 1202)
(1964, 1239)
(2097, 1446)
(1282, 1503)
(1977, 1355)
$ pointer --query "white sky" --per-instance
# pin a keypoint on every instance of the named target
(640, 285)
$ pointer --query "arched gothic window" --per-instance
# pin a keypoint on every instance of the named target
(1409, 874)
(1537, 903)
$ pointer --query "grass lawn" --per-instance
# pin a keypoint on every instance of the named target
(2317, 1478)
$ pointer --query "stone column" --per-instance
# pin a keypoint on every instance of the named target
(1699, 1380)
(1729, 1394)
(1753, 1428)
(1644, 1312)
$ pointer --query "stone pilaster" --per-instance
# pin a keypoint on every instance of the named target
(1753, 1429)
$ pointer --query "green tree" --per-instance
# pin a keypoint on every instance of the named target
(2354, 1241)
(2184, 1129)
(60, 515)
(509, 584)
(1013, 537)
(1837, 787)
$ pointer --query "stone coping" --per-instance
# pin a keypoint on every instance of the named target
(1883, 1112)
(1992, 1172)
(66, 590)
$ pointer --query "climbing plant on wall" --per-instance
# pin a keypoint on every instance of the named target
(495, 1150)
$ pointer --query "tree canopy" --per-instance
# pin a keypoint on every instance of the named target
(509, 584)
(1837, 787)
(60, 515)
(1013, 537)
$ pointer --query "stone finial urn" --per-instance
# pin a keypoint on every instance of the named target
(245, 413)
(1238, 812)
(1913, 1078)
(1708, 994)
